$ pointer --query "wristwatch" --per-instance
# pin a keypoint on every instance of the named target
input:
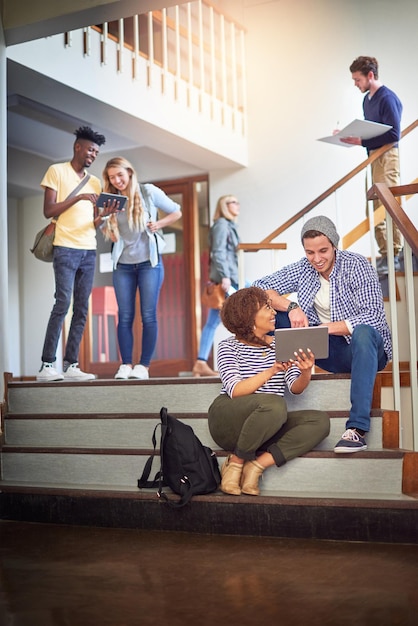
(292, 305)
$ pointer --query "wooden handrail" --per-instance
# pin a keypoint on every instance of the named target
(255, 247)
(378, 216)
(401, 190)
(376, 154)
(386, 195)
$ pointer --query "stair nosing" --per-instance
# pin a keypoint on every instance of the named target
(384, 500)
(337, 413)
(374, 453)
(176, 380)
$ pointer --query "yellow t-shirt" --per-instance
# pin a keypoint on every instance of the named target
(75, 227)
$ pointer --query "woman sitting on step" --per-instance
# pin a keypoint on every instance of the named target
(249, 418)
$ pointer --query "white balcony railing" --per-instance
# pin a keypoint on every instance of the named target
(192, 52)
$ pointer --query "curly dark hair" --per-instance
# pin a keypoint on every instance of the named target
(239, 311)
(85, 132)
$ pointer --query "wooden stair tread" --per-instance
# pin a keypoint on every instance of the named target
(267, 497)
(144, 416)
(387, 518)
(175, 380)
(140, 452)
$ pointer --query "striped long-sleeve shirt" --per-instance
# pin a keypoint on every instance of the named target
(237, 361)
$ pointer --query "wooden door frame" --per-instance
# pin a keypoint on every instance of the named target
(192, 256)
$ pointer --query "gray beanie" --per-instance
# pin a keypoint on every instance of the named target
(323, 225)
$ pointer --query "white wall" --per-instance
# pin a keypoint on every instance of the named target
(36, 295)
(4, 312)
(299, 87)
(13, 304)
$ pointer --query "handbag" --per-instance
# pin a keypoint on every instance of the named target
(213, 295)
(43, 246)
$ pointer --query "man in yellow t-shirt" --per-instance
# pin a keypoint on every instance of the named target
(74, 251)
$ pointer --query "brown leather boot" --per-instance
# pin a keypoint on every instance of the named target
(251, 474)
(231, 477)
(201, 368)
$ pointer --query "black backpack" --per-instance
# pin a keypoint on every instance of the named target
(186, 466)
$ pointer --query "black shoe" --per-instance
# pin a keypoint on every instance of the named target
(351, 441)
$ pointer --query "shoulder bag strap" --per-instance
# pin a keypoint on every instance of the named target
(143, 482)
(75, 191)
(80, 185)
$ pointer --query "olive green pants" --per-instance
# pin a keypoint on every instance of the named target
(259, 422)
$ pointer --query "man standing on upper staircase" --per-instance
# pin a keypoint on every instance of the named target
(382, 105)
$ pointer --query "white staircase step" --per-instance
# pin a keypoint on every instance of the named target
(102, 396)
(112, 396)
(316, 471)
(75, 431)
(348, 475)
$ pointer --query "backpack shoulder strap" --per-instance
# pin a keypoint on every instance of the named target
(178, 504)
(143, 482)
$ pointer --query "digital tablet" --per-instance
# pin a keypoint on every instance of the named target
(289, 340)
(104, 198)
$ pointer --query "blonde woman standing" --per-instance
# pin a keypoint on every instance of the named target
(223, 242)
(137, 262)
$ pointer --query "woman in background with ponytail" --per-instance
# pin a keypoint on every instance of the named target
(223, 242)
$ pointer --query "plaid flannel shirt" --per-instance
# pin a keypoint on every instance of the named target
(355, 292)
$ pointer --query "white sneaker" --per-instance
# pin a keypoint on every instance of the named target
(123, 372)
(48, 373)
(139, 372)
(74, 373)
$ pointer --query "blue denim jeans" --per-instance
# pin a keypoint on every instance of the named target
(363, 358)
(74, 275)
(208, 332)
(127, 278)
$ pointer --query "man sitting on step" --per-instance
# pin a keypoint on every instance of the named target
(341, 290)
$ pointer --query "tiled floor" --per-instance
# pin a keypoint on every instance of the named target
(77, 576)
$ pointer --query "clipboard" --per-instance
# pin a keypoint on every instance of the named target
(357, 128)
